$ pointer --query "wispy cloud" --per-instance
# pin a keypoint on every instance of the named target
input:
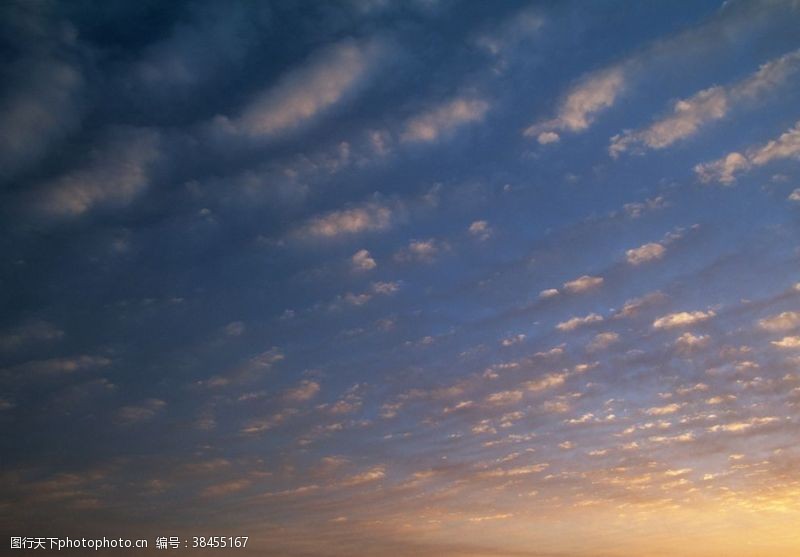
(328, 78)
(690, 115)
(724, 170)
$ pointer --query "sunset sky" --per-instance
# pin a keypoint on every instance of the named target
(402, 278)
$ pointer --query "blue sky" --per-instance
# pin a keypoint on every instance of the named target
(425, 277)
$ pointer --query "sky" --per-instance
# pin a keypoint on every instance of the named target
(420, 277)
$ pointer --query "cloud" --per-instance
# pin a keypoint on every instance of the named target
(690, 115)
(545, 138)
(425, 251)
(583, 284)
(737, 427)
(795, 195)
(634, 305)
(143, 412)
(306, 390)
(504, 398)
(663, 410)
(373, 474)
(645, 253)
(58, 366)
(432, 124)
(637, 209)
(575, 322)
(687, 341)
(583, 102)
(603, 340)
(43, 110)
(226, 488)
(480, 229)
(783, 321)
(522, 25)
(548, 293)
(724, 170)
(547, 382)
(787, 342)
(365, 218)
(29, 333)
(511, 341)
(363, 261)
(328, 78)
(234, 329)
(116, 174)
(682, 319)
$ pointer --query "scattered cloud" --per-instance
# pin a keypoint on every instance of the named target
(365, 218)
(143, 412)
(480, 229)
(645, 253)
(425, 251)
(724, 170)
(443, 119)
(575, 322)
(682, 319)
(787, 342)
(784, 321)
(690, 115)
(581, 105)
(603, 341)
(328, 78)
(583, 284)
(303, 392)
(363, 261)
(116, 174)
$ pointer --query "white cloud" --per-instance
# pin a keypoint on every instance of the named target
(787, 342)
(115, 176)
(511, 341)
(306, 390)
(714, 103)
(548, 381)
(363, 261)
(688, 341)
(582, 284)
(425, 251)
(575, 322)
(795, 195)
(638, 208)
(330, 77)
(784, 321)
(682, 319)
(663, 410)
(480, 229)
(583, 102)
(736, 427)
(688, 116)
(724, 170)
(432, 124)
(504, 398)
(603, 340)
(545, 138)
(634, 305)
(368, 217)
(645, 253)
(548, 293)
(373, 474)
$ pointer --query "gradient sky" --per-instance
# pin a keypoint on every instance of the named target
(428, 278)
